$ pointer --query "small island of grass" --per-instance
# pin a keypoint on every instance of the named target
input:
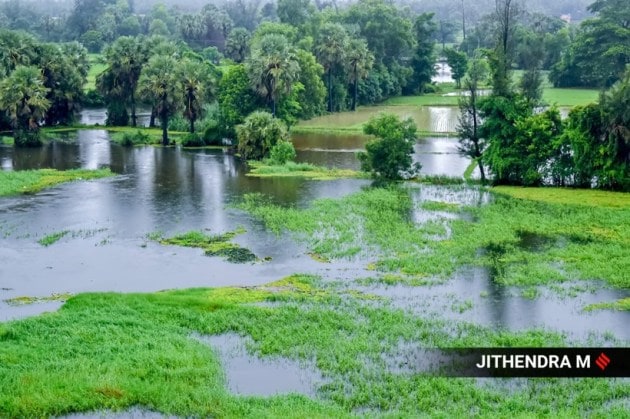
(33, 181)
(302, 170)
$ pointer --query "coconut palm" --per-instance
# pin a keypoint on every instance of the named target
(272, 68)
(359, 60)
(159, 86)
(23, 98)
(196, 83)
(331, 51)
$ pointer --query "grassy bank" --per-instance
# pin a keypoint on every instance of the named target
(33, 181)
(301, 170)
(525, 243)
(115, 351)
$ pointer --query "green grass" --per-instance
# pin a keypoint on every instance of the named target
(523, 242)
(33, 181)
(97, 66)
(115, 351)
(218, 245)
(301, 170)
(585, 197)
(52, 238)
(570, 97)
(430, 99)
(623, 304)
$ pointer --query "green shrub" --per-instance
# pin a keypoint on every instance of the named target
(93, 99)
(178, 123)
(212, 133)
(130, 139)
(192, 140)
(282, 152)
(258, 134)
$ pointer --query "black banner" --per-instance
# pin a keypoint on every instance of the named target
(528, 362)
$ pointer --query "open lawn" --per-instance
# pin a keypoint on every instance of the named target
(97, 66)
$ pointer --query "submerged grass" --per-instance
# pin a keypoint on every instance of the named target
(218, 245)
(523, 242)
(114, 351)
(586, 197)
(33, 181)
(24, 300)
(52, 238)
(302, 170)
(623, 304)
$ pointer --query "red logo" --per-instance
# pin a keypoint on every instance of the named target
(602, 361)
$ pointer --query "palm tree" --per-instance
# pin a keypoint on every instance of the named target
(359, 60)
(330, 51)
(126, 57)
(158, 85)
(196, 85)
(23, 98)
(272, 68)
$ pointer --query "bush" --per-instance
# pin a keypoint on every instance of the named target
(388, 157)
(130, 139)
(282, 152)
(178, 123)
(93, 99)
(212, 133)
(27, 138)
(192, 140)
(258, 134)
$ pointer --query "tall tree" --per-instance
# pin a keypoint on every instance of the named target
(196, 83)
(158, 85)
(458, 62)
(23, 98)
(237, 44)
(125, 59)
(423, 59)
(359, 61)
(272, 68)
(331, 50)
(471, 144)
(506, 12)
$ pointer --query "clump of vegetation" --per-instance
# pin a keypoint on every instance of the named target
(217, 245)
(18, 301)
(131, 139)
(282, 152)
(303, 170)
(388, 157)
(623, 304)
(52, 238)
(192, 140)
(258, 134)
(33, 181)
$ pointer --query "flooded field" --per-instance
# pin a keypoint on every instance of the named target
(108, 244)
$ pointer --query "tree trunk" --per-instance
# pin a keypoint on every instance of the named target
(273, 108)
(463, 20)
(330, 102)
(133, 110)
(356, 90)
(192, 125)
(164, 121)
(152, 119)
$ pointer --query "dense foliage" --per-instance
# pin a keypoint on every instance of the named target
(388, 156)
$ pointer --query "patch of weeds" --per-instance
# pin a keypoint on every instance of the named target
(302, 170)
(33, 181)
(52, 238)
(530, 293)
(24, 300)
(462, 306)
(621, 305)
(131, 139)
(217, 245)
